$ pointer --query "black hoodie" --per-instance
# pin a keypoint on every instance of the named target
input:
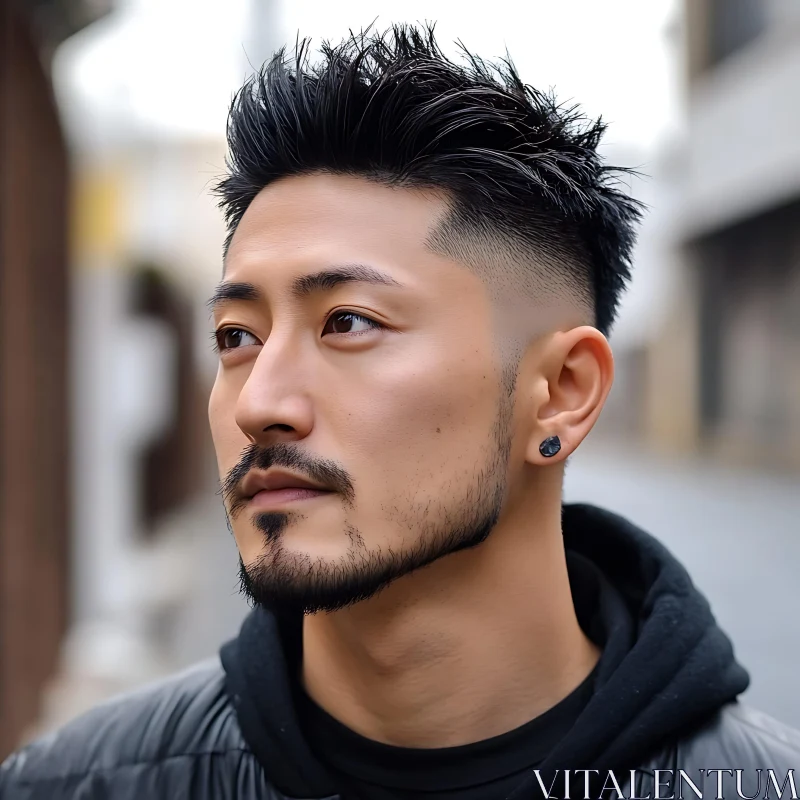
(665, 664)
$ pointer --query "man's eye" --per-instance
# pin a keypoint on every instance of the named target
(232, 338)
(349, 322)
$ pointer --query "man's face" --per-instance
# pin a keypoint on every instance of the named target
(387, 393)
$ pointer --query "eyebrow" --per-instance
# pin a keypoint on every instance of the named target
(303, 286)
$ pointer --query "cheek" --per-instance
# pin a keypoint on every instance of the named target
(225, 433)
(423, 422)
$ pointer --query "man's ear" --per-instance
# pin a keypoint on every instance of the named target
(576, 371)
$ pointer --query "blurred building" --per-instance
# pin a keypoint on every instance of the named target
(35, 188)
(724, 372)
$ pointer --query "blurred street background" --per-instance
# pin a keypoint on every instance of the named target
(116, 566)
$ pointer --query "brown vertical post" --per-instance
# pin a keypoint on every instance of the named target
(34, 298)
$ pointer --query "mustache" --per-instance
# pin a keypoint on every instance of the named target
(323, 471)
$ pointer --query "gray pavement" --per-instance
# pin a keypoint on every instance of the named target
(737, 533)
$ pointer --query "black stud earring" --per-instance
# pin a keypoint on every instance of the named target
(550, 446)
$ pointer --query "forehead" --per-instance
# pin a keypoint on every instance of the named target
(324, 218)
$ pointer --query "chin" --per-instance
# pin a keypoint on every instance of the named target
(296, 582)
(307, 555)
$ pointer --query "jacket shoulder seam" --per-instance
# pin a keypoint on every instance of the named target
(765, 731)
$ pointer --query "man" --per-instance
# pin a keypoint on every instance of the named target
(423, 263)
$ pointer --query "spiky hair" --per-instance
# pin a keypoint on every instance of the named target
(522, 171)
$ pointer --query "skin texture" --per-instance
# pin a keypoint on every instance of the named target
(430, 432)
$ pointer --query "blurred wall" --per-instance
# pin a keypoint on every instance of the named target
(34, 363)
(725, 369)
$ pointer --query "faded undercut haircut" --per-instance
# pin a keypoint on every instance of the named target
(527, 189)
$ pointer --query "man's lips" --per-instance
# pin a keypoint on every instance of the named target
(265, 490)
(268, 499)
(276, 479)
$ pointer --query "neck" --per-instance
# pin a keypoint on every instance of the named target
(474, 645)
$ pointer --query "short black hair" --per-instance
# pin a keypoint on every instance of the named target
(522, 172)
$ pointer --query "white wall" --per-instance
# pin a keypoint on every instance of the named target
(743, 150)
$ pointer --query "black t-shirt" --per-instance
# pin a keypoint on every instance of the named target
(486, 770)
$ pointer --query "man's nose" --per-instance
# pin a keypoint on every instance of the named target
(274, 404)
